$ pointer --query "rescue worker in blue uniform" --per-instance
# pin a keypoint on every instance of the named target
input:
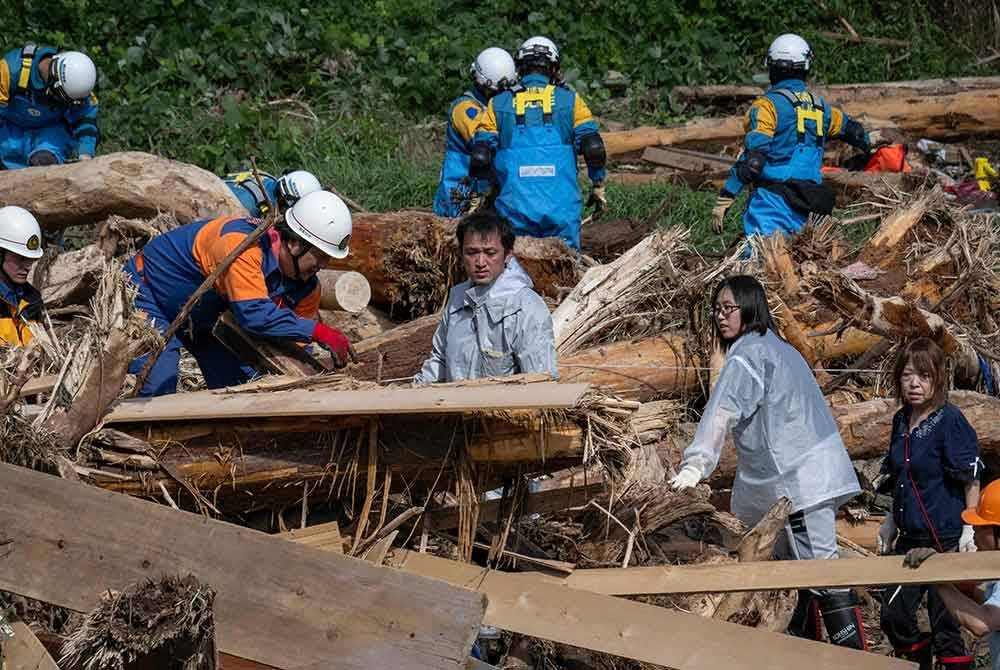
(284, 191)
(531, 135)
(493, 71)
(271, 288)
(20, 303)
(782, 159)
(48, 111)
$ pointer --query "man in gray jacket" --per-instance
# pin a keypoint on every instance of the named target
(494, 324)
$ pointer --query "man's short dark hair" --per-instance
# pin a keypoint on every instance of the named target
(486, 223)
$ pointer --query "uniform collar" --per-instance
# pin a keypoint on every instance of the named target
(10, 294)
(535, 80)
(795, 85)
(477, 95)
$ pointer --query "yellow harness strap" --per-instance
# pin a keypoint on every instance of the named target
(27, 58)
(806, 111)
(535, 97)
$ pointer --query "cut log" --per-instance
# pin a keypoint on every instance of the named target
(410, 259)
(72, 277)
(129, 184)
(657, 367)
(947, 116)
(397, 354)
(840, 94)
(686, 160)
(605, 239)
(346, 291)
(276, 603)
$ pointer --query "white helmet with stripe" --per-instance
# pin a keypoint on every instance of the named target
(493, 69)
(20, 232)
(789, 51)
(72, 76)
(324, 221)
(295, 185)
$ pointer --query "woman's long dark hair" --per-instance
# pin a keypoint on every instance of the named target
(755, 315)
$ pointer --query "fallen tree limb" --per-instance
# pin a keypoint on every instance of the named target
(276, 603)
(131, 184)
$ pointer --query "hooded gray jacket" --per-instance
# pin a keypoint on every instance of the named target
(492, 331)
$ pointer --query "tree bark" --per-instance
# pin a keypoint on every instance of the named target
(947, 116)
(410, 258)
(396, 354)
(130, 184)
(656, 367)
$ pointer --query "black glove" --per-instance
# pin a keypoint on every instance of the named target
(915, 557)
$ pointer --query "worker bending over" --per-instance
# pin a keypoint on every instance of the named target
(284, 191)
(492, 72)
(20, 247)
(48, 111)
(531, 135)
(271, 288)
(782, 159)
(494, 324)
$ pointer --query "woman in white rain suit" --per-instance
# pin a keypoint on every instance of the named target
(787, 444)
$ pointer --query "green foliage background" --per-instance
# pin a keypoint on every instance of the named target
(345, 89)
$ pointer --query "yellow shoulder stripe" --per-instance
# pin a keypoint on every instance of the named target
(4, 82)
(761, 117)
(466, 117)
(581, 113)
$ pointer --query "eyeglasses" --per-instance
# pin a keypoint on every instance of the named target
(725, 310)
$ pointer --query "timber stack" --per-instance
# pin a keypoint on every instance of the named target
(515, 488)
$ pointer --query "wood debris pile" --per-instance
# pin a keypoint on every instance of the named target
(521, 474)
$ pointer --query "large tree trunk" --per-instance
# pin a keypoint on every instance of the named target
(130, 184)
(656, 367)
(947, 116)
(865, 427)
(396, 354)
(410, 259)
(841, 94)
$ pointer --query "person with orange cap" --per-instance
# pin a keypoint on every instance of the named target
(980, 612)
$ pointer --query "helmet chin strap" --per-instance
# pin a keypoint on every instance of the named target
(295, 257)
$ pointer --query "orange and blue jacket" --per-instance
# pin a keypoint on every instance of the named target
(19, 306)
(264, 301)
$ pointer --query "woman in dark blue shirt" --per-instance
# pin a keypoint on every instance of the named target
(932, 468)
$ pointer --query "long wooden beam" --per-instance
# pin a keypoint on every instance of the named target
(779, 575)
(523, 603)
(277, 603)
(206, 405)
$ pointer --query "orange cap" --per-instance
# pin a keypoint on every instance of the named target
(987, 512)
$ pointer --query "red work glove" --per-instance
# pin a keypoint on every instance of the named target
(335, 342)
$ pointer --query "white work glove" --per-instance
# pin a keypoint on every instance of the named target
(85, 157)
(967, 542)
(886, 539)
(722, 205)
(688, 477)
(598, 197)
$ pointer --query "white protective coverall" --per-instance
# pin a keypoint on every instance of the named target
(787, 442)
(498, 330)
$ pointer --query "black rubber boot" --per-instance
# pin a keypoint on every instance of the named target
(805, 618)
(918, 653)
(842, 618)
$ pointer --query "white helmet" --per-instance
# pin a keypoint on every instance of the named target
(538, 46)
(72, 76)
(791, 51)
(493, 69)
(295, 185)
(323, 220)
(19, 232)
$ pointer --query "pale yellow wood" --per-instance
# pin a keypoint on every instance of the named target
(25, 652)
(203, 405)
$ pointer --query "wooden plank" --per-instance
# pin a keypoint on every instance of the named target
(777, 575)
(35, 385)
(279, 604)
(24, 651)
(524, 603)
(203, 405)
(321, 536)
(689, 161)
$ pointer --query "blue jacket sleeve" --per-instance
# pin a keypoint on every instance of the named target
(82, 120)
(960, 454)
(760, 124)
(263, 318)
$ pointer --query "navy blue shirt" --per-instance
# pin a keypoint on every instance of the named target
(943, 453)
